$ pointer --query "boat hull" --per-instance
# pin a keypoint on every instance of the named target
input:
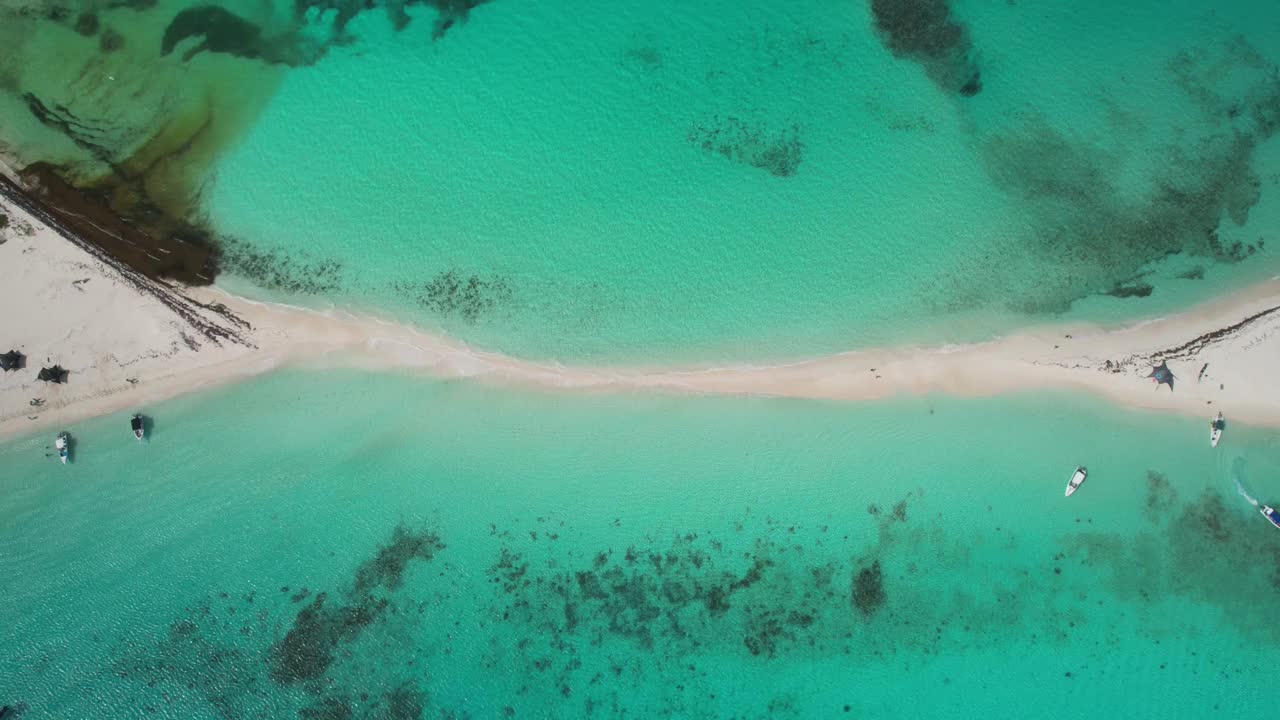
(1076, 480)
(1271, 514)
(63, 446)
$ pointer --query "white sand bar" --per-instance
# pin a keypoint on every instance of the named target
(129, 342)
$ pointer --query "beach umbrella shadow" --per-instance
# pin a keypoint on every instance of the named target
(12, 360)
(56, 374)
(1162, 375)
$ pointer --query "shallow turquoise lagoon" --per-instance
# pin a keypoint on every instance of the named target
(756, 179)
(352, 545)
(674, 181)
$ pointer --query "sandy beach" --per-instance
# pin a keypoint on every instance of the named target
(130, 341)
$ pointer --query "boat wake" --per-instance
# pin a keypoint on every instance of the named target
(1237, 474)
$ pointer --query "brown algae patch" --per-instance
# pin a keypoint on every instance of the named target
(116, 143)
(118, 132)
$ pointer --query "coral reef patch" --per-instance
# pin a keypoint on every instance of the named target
(924, 32)
(751, 143)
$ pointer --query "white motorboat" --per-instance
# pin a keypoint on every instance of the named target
(1215, 430)
(1079, 476)
(1271, 514)
(63, 445)
(137, 425)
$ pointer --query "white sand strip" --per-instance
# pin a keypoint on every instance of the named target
(127, 349)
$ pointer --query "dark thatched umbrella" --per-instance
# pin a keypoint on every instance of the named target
(55, 374)
(11, 360)
(1162, 375)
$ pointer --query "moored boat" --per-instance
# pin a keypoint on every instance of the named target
(137, 426)
(1271, 514)
(1080, 474)
(1215, 430)
(63, 445)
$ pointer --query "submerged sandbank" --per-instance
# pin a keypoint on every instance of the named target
(130, 341)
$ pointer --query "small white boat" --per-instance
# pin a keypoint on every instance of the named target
(136, 425)
(1215, 430)
(1079, 476)
(1271, 514)
(63, 446)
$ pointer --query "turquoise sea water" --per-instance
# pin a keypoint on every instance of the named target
(449, 550)
(753, 179)
(630, 182)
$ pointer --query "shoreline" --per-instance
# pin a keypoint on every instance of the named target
(130, 341)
